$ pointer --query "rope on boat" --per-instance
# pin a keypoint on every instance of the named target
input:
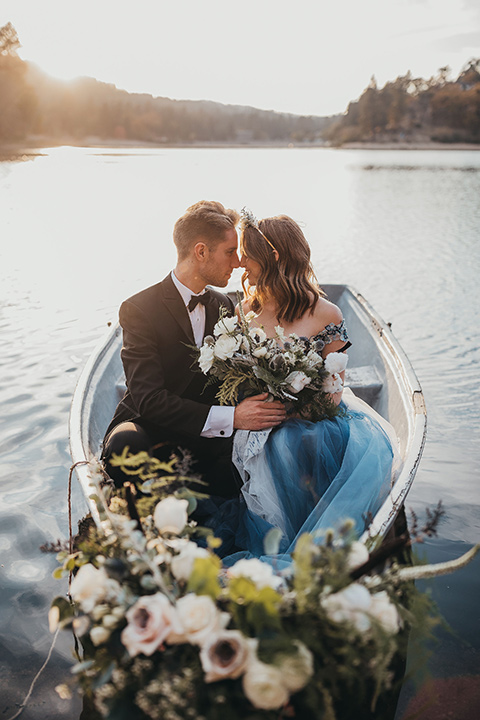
(70, 548)
(27, 696)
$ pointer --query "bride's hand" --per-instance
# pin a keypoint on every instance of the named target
(254, 413)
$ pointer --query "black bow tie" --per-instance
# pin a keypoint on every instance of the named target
(195, 299)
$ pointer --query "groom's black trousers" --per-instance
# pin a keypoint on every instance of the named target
(211, 457)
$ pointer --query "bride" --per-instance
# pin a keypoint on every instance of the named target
(302, 476)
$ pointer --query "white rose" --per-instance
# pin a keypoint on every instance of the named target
(260, 352)
(258, 334)
(150, 621)
(357, 555)
(99, 635)
(182, 564)
(336, 362)
(383, 610)
(297, 380)
(296, 667)
(224, 655)
(332, 384)
(206, 358)
(171, 515)
(225, 325)
(350, 605)
(199, 617)
(264, 686)
(90, 585)
(225, 346)
(261, 573)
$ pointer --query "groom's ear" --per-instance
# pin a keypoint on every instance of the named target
(200, 251)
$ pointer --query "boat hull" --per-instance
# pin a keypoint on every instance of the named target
(378, 372)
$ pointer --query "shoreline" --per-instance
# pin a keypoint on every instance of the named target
(33, 148)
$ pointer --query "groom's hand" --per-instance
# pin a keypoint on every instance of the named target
(254, 413)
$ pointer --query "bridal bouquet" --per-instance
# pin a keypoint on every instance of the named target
(170, 633)
(290, 368)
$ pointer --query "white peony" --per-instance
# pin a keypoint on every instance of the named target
(261, 573)
(171, 515)
(226, 346)
(357, 555)
(297, 380)
(383, 610)
(206, 358)
(264, 686)
(332, 384)
(225, 655)
(182, 564)
(199, 618)
(296, 667)
(336, 362)
(225, 325)
(91, 585)
(150, 623)
(350, 605)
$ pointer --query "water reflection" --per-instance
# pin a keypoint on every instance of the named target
(87, 228)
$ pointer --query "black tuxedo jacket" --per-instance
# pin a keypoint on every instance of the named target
(165, 388)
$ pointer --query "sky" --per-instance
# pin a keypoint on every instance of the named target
(307, 57)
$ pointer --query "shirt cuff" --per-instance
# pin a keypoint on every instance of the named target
(219, 422)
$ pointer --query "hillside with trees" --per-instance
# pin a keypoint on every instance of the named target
(415, 110)
(36, 108)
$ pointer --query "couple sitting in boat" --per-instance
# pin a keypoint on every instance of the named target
(286, 471)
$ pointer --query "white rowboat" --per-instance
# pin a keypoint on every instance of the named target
(378, 372)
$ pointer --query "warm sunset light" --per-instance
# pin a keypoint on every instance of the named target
(306, 58)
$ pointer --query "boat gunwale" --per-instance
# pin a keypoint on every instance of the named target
(391, 351)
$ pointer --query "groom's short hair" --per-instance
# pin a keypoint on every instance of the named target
(208, 220)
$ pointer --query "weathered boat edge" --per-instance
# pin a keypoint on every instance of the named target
(393, 354)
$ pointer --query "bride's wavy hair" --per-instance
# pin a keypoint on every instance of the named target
(279, 246)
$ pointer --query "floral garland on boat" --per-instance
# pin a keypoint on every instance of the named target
(170, 633)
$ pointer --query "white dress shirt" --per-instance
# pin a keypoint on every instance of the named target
(219, 422)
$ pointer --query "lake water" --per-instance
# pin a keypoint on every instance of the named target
(81, 229)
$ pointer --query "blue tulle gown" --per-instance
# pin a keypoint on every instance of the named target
(307, 477)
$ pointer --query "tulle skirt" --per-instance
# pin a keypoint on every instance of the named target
(306, 477)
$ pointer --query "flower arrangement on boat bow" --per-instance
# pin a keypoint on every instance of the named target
(169, 632)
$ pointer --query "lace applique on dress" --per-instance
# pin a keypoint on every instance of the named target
(330, 334)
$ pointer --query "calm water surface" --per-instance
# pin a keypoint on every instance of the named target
(81, 229)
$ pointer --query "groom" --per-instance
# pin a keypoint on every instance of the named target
(166, 405)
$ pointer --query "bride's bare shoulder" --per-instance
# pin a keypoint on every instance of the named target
(246, 307)
(326, 313)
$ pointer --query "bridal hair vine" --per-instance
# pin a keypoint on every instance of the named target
(248, 219)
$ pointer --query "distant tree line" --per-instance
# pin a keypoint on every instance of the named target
(34, 104)
(410, 108)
